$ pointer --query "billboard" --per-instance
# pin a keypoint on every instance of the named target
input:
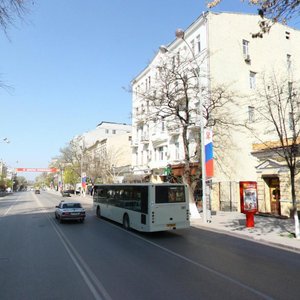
(248, 196)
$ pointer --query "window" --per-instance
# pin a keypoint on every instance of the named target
(287, 35)
(290, 89)
(106, 131)
(163, 127)
(160, 151)
(168, 194)
(173, 61)
(198, 44)
(135, 154)
(176, 150)
(178, 57)
(251, 114)
(291, 121)
(288, 61)
(142, 157)
(114, 131)
(245, 48)
(193, 46)
(252, 80)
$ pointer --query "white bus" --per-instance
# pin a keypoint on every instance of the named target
(145, 206)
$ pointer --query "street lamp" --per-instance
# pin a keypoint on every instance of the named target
(82, 147)
(180, 35)
(5, 140)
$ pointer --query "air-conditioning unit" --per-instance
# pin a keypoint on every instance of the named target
(247, 58)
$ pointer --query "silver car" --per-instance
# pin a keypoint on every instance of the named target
(69, 211)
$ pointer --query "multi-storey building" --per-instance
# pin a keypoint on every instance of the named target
(226, 54)
(104, 130)
(106, 150)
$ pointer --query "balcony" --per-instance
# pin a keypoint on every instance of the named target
(174, 130)
(145, 138)
(134, 143)
(159, 137)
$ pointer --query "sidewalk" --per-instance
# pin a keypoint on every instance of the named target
(267, 230)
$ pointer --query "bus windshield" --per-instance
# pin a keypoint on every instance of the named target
(169, 194)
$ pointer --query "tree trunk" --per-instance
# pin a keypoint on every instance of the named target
(194, 213)
(295, 211)
(296, 219)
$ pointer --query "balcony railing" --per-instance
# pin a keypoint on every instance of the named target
(145, 138)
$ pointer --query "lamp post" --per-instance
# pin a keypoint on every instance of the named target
(82, 147)
(5, 140)
(180, 35)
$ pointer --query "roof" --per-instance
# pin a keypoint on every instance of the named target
(106, 122)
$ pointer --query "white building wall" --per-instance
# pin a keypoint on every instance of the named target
(121, 146)
(221, 38)
(102, 131)
(227, 65)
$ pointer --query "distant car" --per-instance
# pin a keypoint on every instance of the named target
(37, 191)
(67, 210)
(66, 193)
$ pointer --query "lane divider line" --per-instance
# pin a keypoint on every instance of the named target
(93, 283)
(217, 273)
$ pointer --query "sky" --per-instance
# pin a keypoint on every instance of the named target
(69, 63)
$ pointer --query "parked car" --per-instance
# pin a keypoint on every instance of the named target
(67, 210)
(37, 191)
(66, 193)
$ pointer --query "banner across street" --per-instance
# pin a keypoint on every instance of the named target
(51, 170)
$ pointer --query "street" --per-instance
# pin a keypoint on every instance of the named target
(43, 259)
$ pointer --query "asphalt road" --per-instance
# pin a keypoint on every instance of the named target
(43, 259)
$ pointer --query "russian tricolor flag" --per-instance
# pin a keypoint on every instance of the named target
(209, 159)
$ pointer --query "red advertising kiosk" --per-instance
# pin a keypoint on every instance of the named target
(248, 196)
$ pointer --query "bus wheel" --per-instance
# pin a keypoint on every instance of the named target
(126, 222)
(98, 212)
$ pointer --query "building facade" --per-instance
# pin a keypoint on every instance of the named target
(222, 49)
(106, 151)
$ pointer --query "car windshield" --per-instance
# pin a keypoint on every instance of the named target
(71, 205)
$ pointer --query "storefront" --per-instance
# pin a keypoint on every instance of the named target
(274, 188)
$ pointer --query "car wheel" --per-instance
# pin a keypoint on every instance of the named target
(126, 222)
(60, 220)
(98, 212)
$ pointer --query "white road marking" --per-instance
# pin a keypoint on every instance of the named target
(219, 274)
(93, 283)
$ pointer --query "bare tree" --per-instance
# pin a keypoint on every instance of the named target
(174, 99)
(102, 167)
(270, 11)
(10, 10)
(99, 166)
(278, 112)
(71, 157)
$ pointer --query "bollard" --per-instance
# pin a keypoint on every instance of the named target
(250, 218)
